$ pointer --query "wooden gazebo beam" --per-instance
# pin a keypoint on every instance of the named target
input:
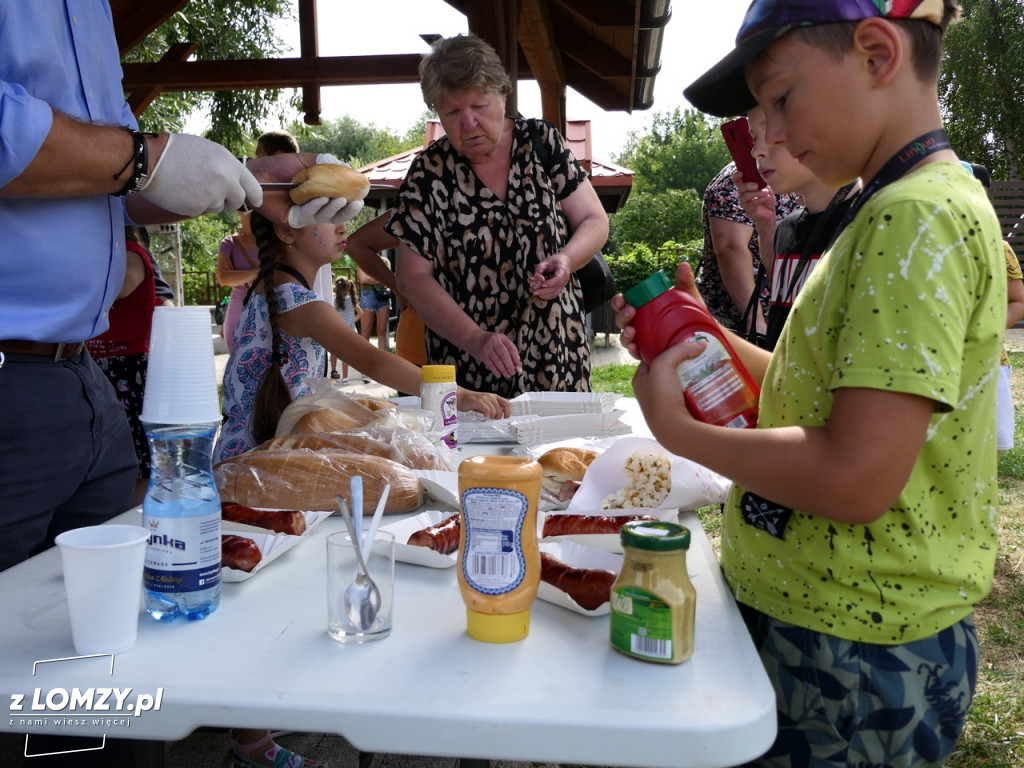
(537, 39)
(309, 50)
(138, 100)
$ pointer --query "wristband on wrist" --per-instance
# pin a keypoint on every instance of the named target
(138, 163)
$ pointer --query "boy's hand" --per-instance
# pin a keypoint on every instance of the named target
(758, 204)
(624, 313)
(660, 394)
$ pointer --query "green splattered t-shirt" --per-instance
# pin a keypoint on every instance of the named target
(911, 298)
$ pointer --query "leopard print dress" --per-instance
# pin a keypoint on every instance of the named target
(484, 250)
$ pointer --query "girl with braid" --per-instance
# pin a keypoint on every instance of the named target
(280, 343)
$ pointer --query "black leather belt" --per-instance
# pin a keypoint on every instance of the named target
(55, 352)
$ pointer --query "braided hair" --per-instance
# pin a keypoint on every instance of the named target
(272, 395)
(345, 287)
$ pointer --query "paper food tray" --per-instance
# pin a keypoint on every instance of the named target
(556, 403)
(407, 553)
(272, 545)
(578, 556)
(693, 485)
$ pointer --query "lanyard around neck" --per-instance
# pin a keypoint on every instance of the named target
(896, 166)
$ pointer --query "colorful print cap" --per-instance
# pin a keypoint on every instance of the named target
(722, 90)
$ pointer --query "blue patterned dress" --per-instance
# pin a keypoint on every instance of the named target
(251, 359)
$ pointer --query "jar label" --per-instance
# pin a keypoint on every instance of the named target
(641, 624)
(493, 562)
(449, 415)
(183, 553)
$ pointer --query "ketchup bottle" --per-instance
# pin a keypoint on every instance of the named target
(717, 388)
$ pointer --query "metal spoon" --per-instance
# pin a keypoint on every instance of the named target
(362, 597)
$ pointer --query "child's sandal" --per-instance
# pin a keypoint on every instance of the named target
(285, 759)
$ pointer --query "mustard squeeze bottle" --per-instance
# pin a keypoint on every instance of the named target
(499, 560)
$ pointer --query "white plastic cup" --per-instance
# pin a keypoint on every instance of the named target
(103, 579)
(181, 380)
(342, 568)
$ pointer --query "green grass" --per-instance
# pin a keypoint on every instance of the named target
(614, 378)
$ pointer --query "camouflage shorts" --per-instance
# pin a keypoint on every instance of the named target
(858, 705)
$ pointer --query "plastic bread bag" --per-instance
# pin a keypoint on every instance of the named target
(305, 479)
(325, 409)
(409, 448)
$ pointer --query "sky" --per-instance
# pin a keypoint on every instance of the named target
(696, 37)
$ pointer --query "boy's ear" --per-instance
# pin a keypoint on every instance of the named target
(881, 48)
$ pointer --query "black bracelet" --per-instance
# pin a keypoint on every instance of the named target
(139, 164)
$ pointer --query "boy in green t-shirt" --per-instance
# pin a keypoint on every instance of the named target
(860, 531)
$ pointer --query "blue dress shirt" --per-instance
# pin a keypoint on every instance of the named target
(62, 260)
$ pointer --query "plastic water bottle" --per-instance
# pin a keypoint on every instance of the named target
(181, 509)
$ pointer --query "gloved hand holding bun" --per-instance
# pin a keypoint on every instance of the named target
(328, 191)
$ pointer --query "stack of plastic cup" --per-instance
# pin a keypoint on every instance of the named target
(181, 382)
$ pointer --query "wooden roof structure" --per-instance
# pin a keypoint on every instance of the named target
(607, 50)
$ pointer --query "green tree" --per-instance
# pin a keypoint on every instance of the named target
(982, 82)
(683, 150)
(223, 29)
(352, 141)
(655, 219)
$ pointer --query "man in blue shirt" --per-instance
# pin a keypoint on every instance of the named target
(73, 171)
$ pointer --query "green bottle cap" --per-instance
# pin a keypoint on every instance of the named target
(647, 290)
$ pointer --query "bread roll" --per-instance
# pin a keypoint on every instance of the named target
(330, 420)
(564, 469)
(341, 441)
(329, 180)
(303, 479)
(375, 403)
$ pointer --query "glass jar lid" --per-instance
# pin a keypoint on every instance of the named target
(655, 536)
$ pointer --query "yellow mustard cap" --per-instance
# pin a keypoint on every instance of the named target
(497, 627)
(437, 374)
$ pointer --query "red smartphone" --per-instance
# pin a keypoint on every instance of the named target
(741, 143)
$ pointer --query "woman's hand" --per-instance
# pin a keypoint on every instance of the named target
(497, 352)
(551, 276)
(491, 406)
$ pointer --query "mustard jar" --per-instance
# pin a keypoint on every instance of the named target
(653, 601)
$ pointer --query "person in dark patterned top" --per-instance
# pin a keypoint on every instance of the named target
(731, 256)
(494, 218)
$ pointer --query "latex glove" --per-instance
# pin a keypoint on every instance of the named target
(319, 210)
(195, 176)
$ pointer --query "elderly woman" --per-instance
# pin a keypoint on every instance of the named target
(494, 218)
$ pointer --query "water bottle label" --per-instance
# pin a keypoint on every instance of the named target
(183, 553)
